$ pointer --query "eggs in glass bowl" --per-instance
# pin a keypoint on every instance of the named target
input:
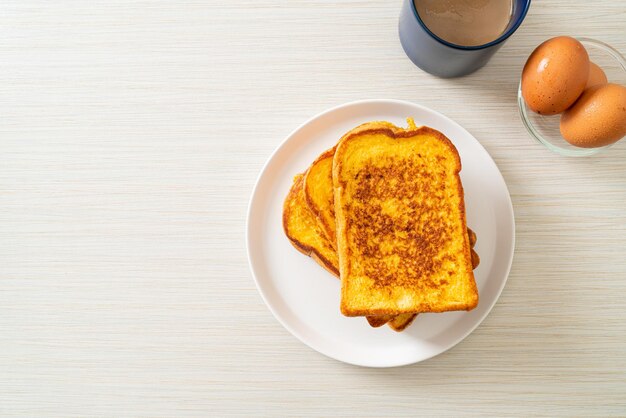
(572, 95)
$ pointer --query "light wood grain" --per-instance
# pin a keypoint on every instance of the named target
(131, 135)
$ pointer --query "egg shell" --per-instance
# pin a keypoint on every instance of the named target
(596, 75)
(555, 75)
(598, 117)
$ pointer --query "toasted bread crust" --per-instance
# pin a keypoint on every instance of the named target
(344, 223)
(475, 259)
(291, 203)
(318, 202)
(472, 237)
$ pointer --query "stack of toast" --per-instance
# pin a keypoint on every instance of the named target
(384, 211)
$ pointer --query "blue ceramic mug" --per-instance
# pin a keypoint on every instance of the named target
(442, 58)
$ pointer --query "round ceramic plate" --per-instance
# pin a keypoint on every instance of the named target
(305, 298)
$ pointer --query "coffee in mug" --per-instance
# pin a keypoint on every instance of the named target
(465, 22)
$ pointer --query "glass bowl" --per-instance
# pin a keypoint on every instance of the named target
(545, 129)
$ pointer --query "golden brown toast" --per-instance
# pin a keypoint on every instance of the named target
(309, 240)
(306, 238)
(318, 191)
(401, 230)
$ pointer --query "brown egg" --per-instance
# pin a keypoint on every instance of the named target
(597, 118)
(555, 75)
(596, 75)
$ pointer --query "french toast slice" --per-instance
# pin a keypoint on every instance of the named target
(402, 237)
(318, 188)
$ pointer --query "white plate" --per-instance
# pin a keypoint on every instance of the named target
(305, 298)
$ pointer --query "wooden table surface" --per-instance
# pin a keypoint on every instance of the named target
(131, 135)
